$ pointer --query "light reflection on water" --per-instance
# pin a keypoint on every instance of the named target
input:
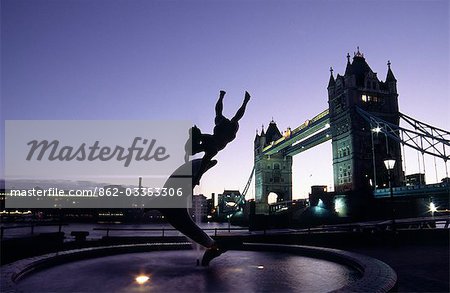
(176, 271)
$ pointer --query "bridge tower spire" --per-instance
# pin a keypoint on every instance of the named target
(331, 82)
(391, 80)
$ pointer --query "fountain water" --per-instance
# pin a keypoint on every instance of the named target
(258, 267)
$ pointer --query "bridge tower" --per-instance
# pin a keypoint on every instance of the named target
(358, 151)
(273, 173)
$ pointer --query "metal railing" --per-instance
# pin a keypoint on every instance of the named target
(164, 230)
(413, 189)
(31, 226)
(411, 223)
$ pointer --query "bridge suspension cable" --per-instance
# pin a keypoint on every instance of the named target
(249, 181)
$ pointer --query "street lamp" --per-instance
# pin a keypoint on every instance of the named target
(390, 163)
(433, 208)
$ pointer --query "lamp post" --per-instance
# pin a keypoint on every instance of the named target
(376, 130)
(390, 163)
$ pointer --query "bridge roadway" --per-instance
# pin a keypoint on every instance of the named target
(311, 133)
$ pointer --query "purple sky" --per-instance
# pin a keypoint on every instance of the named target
(145, 60)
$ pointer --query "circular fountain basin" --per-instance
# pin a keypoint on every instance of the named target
(258, 267)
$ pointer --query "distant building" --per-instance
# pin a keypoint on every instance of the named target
(199, 208)
(2, 198)
(230, 202)
(210, 207)
(318, 195)
(415, 179)
(319, 189)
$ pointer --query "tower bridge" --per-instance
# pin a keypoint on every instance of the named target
(363, 123)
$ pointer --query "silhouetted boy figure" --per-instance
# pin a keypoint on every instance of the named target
(224, 132)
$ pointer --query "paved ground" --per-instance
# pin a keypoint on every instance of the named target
(423, 268)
